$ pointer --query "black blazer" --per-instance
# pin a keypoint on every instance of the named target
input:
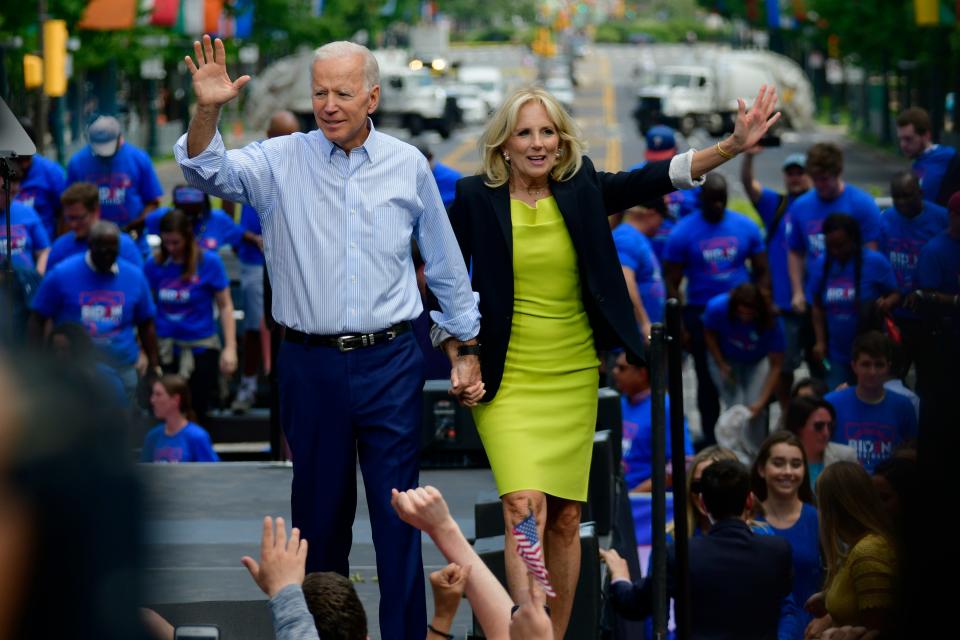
(739, 582)
(480, 217)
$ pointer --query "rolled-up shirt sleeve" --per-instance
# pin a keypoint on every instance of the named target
(240, 175)
(680, 171)
(291, 617)
(444, 268)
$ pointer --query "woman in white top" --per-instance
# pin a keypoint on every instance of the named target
(812, 421)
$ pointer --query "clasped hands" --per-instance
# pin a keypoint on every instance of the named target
(466, 383)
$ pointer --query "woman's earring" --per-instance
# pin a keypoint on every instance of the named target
(506, 156)
(557, 154)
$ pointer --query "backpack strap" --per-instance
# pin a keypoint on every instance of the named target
(777, 219)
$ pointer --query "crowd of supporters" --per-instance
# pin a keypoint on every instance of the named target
(864, 303)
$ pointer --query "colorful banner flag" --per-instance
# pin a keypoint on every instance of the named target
(165, 13)
(109, 15)
(932, 13)
(773, 14)
(238, 22)
(191, 18)
(800, 10)
(530, 551)
(212, 10)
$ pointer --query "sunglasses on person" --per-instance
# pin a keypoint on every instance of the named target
(820, 425)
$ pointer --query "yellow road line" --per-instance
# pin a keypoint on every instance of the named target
(614, 156)
(454, 157)
(614, 160)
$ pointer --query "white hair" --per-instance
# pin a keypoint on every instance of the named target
(343, 48)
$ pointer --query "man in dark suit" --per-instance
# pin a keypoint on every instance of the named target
(739, 581)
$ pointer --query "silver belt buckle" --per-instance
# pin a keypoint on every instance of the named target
(342, 345)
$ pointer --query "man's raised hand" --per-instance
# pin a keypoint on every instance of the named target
(211, 85)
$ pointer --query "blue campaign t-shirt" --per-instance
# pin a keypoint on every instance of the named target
(635, 252)
(127, 181)
(808, 212)
(743, 342)
(659, 240)
(683, 202)
(777, 248)
(680, 203)
(902, 239)
(185, 307)
(838, 296)
(40, 190)
(27, 235)
(212, 231)
(247, 252)
(931, 167)
(714, 255)
(804, 539)
(190, 444)
(873, 430)
(446, 178)
(69, 245)
(109, 306)
(939, 266)
(637, 446)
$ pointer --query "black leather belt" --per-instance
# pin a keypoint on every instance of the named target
(347, 341)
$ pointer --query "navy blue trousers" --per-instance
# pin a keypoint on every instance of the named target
(334, 408)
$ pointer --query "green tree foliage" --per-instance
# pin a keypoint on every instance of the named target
(471, 14)
(876, 31)
(282, 26)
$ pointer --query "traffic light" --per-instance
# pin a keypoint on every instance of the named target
(32, 72)
(55, 58)
(833, 46)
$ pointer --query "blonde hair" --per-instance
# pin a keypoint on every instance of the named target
(848, 504)
(504, 121)
(713, 453)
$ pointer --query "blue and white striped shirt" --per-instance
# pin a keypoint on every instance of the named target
(337, 230)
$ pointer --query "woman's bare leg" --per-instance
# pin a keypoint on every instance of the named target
(562, 548)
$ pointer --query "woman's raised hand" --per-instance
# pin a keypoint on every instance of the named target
(753, 124)
(211, 84)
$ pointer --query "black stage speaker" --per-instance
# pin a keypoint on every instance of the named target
(448, 436)
(603, 476)
(585, 617)
(610, 417)
(488, 517)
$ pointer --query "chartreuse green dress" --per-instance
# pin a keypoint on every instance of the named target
(538, 430)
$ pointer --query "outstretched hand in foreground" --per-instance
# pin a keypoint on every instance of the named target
(283, 561)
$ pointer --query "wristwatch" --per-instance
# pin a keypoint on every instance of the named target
(468, 350)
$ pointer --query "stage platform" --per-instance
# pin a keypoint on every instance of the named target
(202, 518)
